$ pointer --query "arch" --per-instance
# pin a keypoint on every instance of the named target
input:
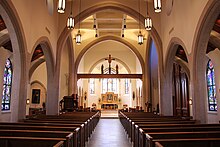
(48, 55)
(172, 48)
(200, 41)
(14, 27)
(118, 60)
(104, 38)
(117, 7)
(166, 100)
(114, 6)
(34, 65)
(47, 50)
(38, 82)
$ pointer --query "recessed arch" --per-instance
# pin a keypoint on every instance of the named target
(113, 6)
(15, 30)
(47, 50)
(114, 38)
(38, 82)
(118, 60)
(172, 48)
(166, 99)
(199, 46)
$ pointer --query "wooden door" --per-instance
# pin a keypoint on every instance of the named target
(180, 91)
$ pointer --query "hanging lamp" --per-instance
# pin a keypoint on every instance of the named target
(140, 36)
(157, 6)
(61, 6)
(70, 20)
(148, 21)
(78, 38)
(78, 35)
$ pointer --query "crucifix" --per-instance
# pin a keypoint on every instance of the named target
(109, 63)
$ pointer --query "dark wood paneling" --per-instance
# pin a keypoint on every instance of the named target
(122, 76)
(180, 95)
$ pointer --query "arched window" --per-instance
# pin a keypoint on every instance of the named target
(92, 86)
(211, 88)
(6, 98)
(109, 85)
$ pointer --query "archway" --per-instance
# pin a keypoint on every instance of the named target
(168, 92)
(9, 15)
(202, 35)
(45, 45)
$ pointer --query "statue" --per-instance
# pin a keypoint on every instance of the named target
(116, 68)
(102, 69)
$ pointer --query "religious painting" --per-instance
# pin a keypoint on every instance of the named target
(36, 96)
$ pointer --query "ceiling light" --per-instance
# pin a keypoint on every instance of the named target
(148, 23)
(157, 6)
(78, 38)
(61, 6)
(70, 20)
(140, 38)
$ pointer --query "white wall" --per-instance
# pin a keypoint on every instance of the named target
(40, 74)
(64, 73)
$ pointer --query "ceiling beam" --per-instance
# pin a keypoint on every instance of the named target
(118, 76)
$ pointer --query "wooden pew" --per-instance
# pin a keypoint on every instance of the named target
(77, 138)
(144, 131)
(31, 142)
(198, 142)
(42, 134)
(150, 137)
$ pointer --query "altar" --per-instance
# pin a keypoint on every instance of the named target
(109, 100)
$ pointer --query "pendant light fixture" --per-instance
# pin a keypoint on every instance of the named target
(157, 6)
(70, 20)
(61, 6)
(140, 36)
(78, 35)
(148, 22)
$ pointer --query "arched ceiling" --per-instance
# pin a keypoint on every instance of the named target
(109, 22)
(102, 50)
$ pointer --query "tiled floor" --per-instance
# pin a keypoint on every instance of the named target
(109, 133)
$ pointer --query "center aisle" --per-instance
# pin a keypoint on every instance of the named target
(109, 133)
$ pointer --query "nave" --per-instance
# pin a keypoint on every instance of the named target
(109, 133)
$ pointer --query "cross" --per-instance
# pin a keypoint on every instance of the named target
(109, 63)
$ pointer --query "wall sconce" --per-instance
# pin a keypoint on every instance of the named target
(28, 101)
(190, 101)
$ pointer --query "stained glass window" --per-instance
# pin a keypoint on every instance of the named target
(211, 88)
(109, 85)
(6, 95)
(126, 86)
(92, 86)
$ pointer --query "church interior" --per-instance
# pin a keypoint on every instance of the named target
(147, 62)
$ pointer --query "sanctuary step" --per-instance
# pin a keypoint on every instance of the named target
(109, 113)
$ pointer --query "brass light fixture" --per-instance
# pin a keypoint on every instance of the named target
(140, 36)
(61, 6)
(148, 21)
(70, 20)
(157, 6)
(78, 35)
(78, 38)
